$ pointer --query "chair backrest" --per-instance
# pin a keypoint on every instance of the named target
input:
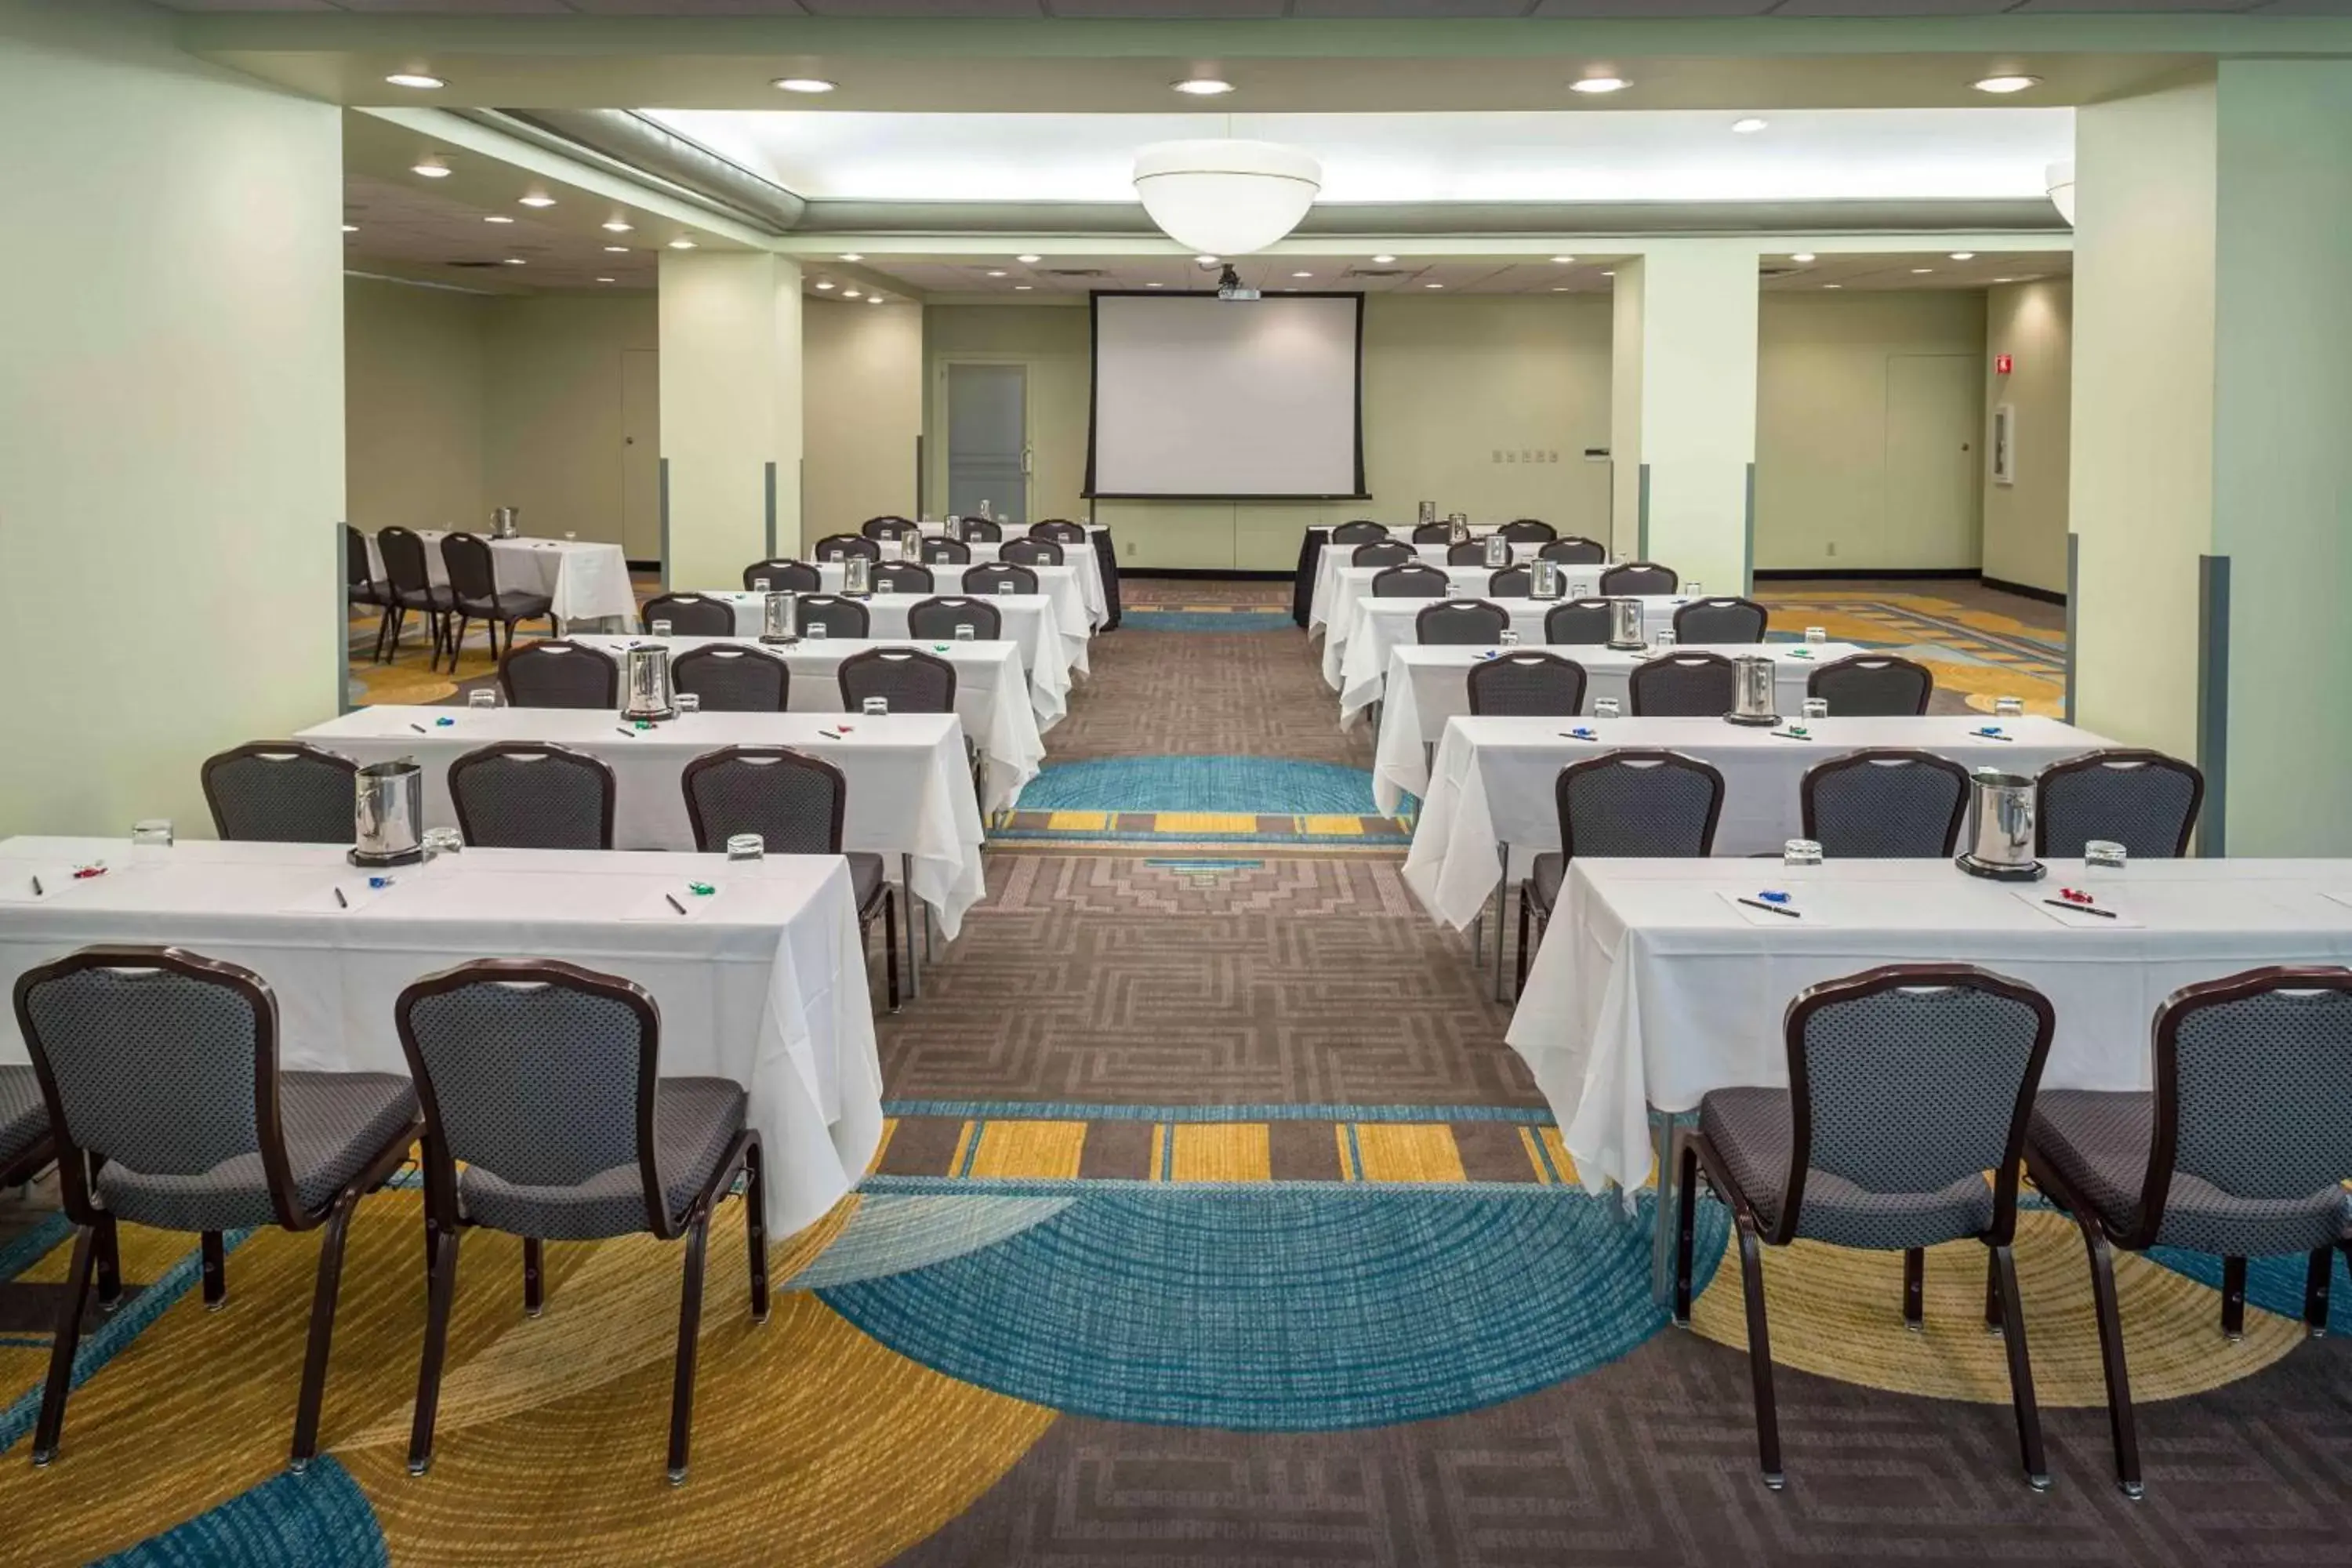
(1526, 683)
(690, 614)
(793, 801)
(158, 1060)
(560, 673)
(1510, 582)
(2145, 801)
(540, 1073)
(1359, 532)
(1059, 530)
(1636, 578)
(1575, 550)
(1873, 686)
(281, 791)
(840, 617)
(1433, 533)
(1030, 552)
(947, 552)
(530, 794)
(842, 546)
(935, 620)
(886, 527)
(1578, 621)
(1471, 553)
(1909, 1078)
(1460, 621)
(2254, 1101)
(1649, 804)
(1528, 531)
(784, 576)
(903, 577)
(1727, 619)
(1411, 580)
(404, 560)
(1683, 684)
(466, 558)
(910, 680)
(989, 578)
(1382, 553)
(983, 530)
(357, 571)
(733, 679)
(1885, 804)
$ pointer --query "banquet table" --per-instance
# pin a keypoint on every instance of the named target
(992, 696)
(1428, 686)
(1652, 987)
(1492, 787)
(911, 795)
(1064, 586)
(1357, 663)
(1337, 585)
(763, 981)
(1099, 554)
(585, 581)
(1048, 650)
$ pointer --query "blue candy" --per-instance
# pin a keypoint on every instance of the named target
(1773, 897)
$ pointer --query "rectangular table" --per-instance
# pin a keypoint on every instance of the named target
(1348, 584)
(992, 696)
(585, 580)
(911, 795)
(1048, 650)
(1492, 789)
(764, 983)
(1061, 584)
(1428, 686)
(1357, 663)
(1099, 555)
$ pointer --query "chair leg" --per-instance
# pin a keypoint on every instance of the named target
(689, 1336)
(215, 1272)
(534, 1277)
(1914, 1288)
(383, 630)
(2233, 1298)
(399, 623)
(1519, 969)
(110, 1267)
(323, 1331)
(1993, 1297)
(1760, 1353)
(2020, 1373)
(439, 1289)
(890, 942)
(1685, 1214)
(2315, 1280)
(755, 1224)
(52, 1419)
(2122, 1428)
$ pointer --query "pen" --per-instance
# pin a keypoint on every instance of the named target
(673, 903)
(829, 734)
(2079, 909)
(1990, 735)
(37, 889)
(1775, 909)
(1790, 736)
(624, 730)
(420, 729)
(342, 902)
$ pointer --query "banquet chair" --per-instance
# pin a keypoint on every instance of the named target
(982, 530)
(1384, 553)
(24, 1142)
(1575, 549)
(1636, 578)
(1359, 532)
(1682, 685)
(1885, 804)
(731, 679)
(1456, 623)
(1433, 533)
(1469, 553)
(160, 1077)
(474, 595)
(2143, 800)
(1059, 530)
(839, 616)
(1411, 580)
(991, 577)
(360, 586)
(1726, 619)
(1651, 804)
(1526, 683)
(532, 795)
(1030, 551)
(795, 803)
(841, 546)
(1528, 531)
(1510, 582)
(2239, 1151)
(560, 673)
(783, 575)
(1578, 621)
(910, 680)
(946, 552)
(411, 587)
(281, 791)
(546, 1116)
(936, 619)
(690, 614)
(903, 577)
(1873, 686)
(886, 528)
(1906, 1084)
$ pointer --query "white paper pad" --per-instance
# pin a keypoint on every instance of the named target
(1756, 916)
(2079, 919)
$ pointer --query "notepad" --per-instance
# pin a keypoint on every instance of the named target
(2067, 915)
(1766, 918)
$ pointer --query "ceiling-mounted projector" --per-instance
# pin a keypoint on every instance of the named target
(1229, 287)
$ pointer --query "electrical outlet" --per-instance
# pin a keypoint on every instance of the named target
(1833, 547)
(1131, 548)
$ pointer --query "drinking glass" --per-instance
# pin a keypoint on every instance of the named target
(1693, 590)
(482, 696)
(816, 631)
(1817, 707)
(660, 628)
(2009, 706)
(688, 702)
(746, 847)
(2103, 854)
(1510, 638)
(965, 631)
(150, 837)
(1817, 634)
(760, 584)
(568, 534)
(443, 841)
(875, 708)
(1800, 852)
(1604, 708)
(1665, 640)
(1005, 588)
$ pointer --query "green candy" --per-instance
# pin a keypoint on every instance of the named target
(700, 890)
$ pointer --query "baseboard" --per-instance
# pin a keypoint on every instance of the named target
(1861, 573)
(2024, 590)
(1232, 574)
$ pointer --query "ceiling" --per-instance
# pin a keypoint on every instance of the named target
(1225, 10)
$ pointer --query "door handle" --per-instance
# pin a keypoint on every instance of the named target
(1026, 454)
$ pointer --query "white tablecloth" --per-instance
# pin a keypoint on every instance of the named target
(1337, 585)
(1049, 651)
(587, 582)
(1649, 989)
(1427, 685)
(909, 790)
(992, 696)
(764, 983)
(1493, 785)
(1355, 664)
(1064, 586)
(1090, 581)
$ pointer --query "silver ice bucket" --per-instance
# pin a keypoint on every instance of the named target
(1751, 691)
(858, 577)
(1458, 528)
(1625, 625)
(1498, 551)
(1427, 512)
(388, 813)
(779, 616)
(2000, 827)
(1545, 580)
(645, 675)
(504, 523)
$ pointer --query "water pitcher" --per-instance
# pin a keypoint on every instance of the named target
(1625, 625)
(645, 675)
(2000, 827)
(1751, 691)
(1427, 512)
(780, 617)
(504, 523)
(388, 813)
(1498, 551)
(1543, 579)
(1458, 528)
(858, 577)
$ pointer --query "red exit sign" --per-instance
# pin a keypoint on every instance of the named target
(2002, 364)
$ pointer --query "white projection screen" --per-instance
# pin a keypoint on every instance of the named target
(1198, 398)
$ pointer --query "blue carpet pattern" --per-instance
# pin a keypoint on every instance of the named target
(1271, 785)
(1208, 621)
(317, 1519)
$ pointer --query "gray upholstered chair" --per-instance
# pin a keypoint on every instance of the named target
(281, 791)
(936, 619)
(474, 595)
(1575, 550)
(2239, 1151)
(728, 678)
(25, 1146)
(842, 546)
(1583, 621)
(1410, 581)
(840, 617)
(1727, 618)
(983, 530)
(1030, 551)
(991, 577)
(1906, 1084)
(783, 574)
(1650, 804)
(1459, 623)
(908, 680)
(1873, 686)
(543, 1081)
(361, 587)
(1683, 684)
(1526, 683)
(1433, 533)
(532, 795)
(1636, 578)
(2143, 800)
(1885, 804)
(796, 804)
(946, 552)
(1510, 582)
(560, 673)
(1528, 531)
(1059, 530)
(411, 587)
(1384, 553)
(903, 577)
(1469, 553)
(159, 1072)
(1360, 531)
(690, 614)
(887, 527)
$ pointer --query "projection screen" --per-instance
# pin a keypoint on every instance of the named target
(1205, 399)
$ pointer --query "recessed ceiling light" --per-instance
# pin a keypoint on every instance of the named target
(1749, 126)
(1560, 288)
(617, 225)
(604, 279)
(1383, 260)
(351, 228)
(1432, 284)
(804, 84)
(616, 250)
(853, 293)
(536, 199)
(1600, 84)
(1920, 271)
(2004, 280)
(1028, 260)
(1022, 288)
(1207, 260)
(681, 244)
(853, 256)
(431, 171)
(1302, 274)
(1203, 86)
(415, 78)
(2005, 83)
(993, 273)
(1563, 260)
(1803, 255)
(874, 299)
(824, 283)
(1608, 274)
(1964, 256)
(1155, 285)
(1833, 285)
(514, 261)
(496, 217)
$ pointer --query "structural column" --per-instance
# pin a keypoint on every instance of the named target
(730, 414)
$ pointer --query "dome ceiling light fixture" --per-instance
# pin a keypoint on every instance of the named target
(2059, 180)
(1226, 197)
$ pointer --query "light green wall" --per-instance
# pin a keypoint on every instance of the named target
(414, 384)
(171, 416)
(2025, 522)
(551, 411)
(730, 400)
(863, 370)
